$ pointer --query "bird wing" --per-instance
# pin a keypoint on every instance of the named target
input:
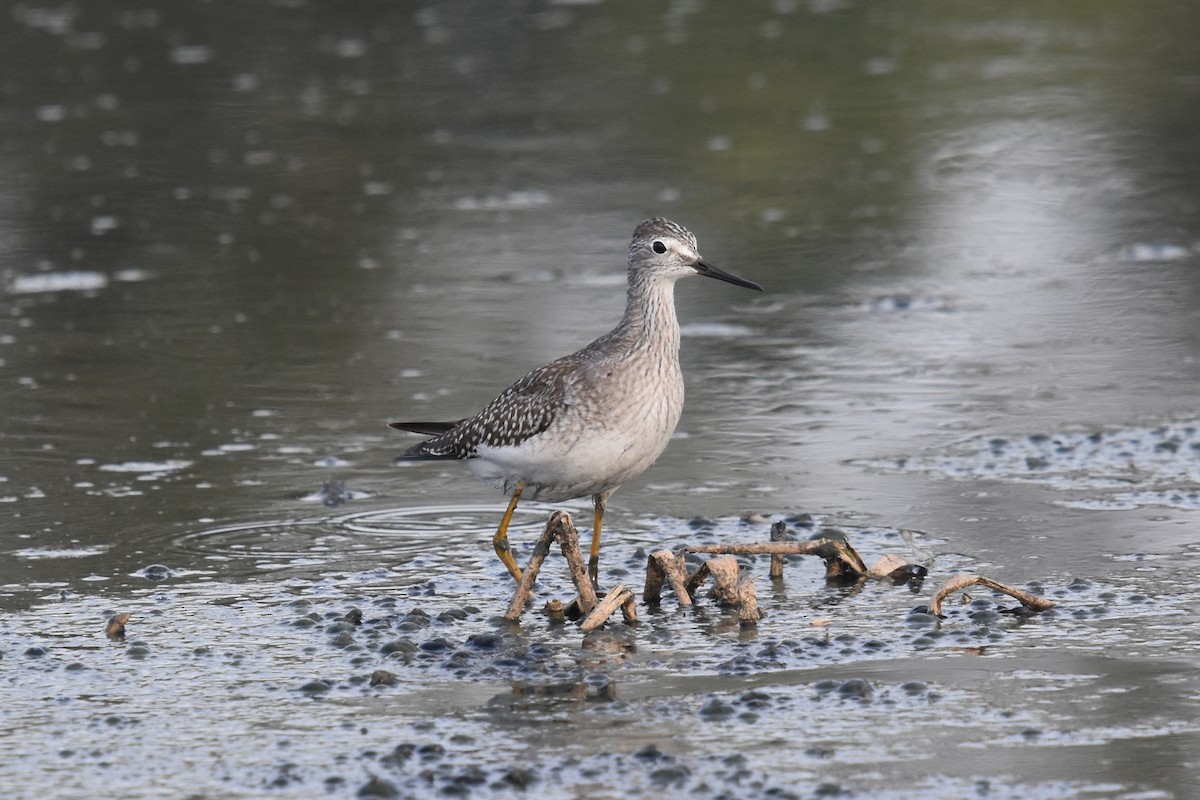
(520, 412)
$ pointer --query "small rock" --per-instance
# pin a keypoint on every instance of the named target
(378, 787)
(315, 687)
(381, 677)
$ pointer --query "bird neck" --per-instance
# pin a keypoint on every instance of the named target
(650, 313)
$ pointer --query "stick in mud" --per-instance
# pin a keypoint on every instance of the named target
(778, 530)
(524, 592)
(115, 629)
(724, 571)
(558, 528)
(660, 565)
(616, 598)
(747, 601)
(568, 541)
(959, 582)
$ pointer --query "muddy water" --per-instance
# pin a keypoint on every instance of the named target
(238, 239)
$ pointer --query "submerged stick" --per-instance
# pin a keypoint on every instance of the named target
(616, 598)
(959, 582)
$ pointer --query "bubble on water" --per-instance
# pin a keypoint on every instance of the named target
(72, 281)
(187, 55)
(52, 113)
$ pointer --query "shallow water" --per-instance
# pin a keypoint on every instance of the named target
(236, 240)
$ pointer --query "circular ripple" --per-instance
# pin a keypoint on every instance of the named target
(477, 520)
(401, 533)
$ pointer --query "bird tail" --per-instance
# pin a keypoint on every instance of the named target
(425, 428)
(423, 451)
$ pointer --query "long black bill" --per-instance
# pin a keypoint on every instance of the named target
(709, 271)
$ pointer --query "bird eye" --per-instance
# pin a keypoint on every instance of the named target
(659, 247)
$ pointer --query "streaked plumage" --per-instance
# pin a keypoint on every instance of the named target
(588, 422)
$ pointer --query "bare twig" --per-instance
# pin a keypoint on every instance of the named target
(616, 598)
(958, 582)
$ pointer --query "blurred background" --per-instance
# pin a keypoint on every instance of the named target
(237, 238)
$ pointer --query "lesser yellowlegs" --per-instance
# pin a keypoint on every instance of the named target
(588, 422)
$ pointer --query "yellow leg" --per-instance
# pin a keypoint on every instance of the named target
(597, 521)
(500, 540)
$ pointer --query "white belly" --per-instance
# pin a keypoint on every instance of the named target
(590, 449)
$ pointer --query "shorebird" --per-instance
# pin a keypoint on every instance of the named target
(590, 421)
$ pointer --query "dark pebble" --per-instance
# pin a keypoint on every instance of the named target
(520, 778)
(755, 699)
(74, 666)
(303, 622)
(915, 687)
(828, 533)
(35, 652)
(431, 752)
(378, 787)
(339, 627)
(452, 615)
(381, 677)
(399, 756)
(985, 617)
(342, 641)
(717, 709)
(1079, 585)
(483, 641)
(649, 753)
(137, 650)
(668, 775)
(399, 646)
(819, 752)
(829, 790)
(856, 687)
(315, 687)
(471, 776)
(438, 645)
